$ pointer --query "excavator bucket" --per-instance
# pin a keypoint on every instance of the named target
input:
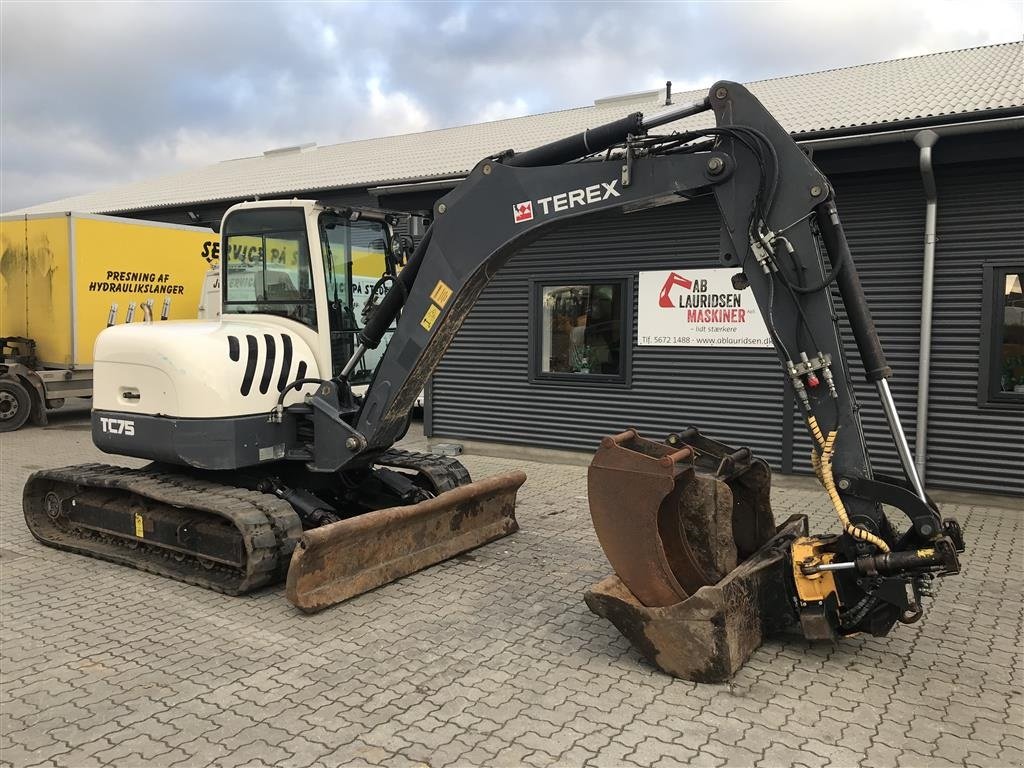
(699, 565)
(341, 560)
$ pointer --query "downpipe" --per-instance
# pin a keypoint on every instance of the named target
(925, 140)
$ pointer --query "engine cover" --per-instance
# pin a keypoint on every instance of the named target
(197, 369)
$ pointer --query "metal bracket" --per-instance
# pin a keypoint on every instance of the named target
(819, 363)
(627, 166)
(889, 490)
(335, 440)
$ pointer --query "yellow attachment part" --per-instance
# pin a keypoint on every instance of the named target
(812, 587)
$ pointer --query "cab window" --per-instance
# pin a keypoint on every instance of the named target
(267, 265)
(355, 257)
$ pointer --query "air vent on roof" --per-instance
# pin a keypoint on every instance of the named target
(288, 150)
(627, 97)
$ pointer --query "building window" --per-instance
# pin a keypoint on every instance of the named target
(581, 330)
(1001, 379)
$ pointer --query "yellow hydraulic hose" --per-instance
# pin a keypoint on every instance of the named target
(822, 464)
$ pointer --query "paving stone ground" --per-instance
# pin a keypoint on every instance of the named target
(491, 659)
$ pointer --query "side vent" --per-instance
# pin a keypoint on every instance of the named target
(268, 364)
(250, 364)
(286, 362)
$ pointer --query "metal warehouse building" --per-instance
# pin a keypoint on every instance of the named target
(927, 157)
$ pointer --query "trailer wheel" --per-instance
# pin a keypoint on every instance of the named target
(15, 405)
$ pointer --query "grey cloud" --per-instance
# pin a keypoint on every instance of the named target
(100, 94)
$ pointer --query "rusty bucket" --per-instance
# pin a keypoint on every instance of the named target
(344, 559)
(674, 519)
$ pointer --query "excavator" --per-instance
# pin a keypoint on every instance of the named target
(267, 466)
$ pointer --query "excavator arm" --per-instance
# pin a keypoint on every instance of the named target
(780, 229)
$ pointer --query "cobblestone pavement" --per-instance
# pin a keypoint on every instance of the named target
(491, 659)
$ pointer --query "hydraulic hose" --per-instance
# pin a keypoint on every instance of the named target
(822, 464)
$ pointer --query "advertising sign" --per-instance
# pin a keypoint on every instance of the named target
(697, 308)
(126, 263)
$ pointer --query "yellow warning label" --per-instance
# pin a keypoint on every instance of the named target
(441, 293)
(138, 525)
(433, 311)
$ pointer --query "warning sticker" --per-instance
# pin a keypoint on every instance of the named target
(138, 526)
(441, 293)
(433, 312)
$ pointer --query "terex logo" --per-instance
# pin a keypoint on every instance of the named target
(574, 198)
(673, 280)
(522, 212)
(117, 426)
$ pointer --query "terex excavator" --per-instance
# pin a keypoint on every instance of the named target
(257, 436)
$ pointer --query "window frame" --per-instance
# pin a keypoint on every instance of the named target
(993, 296)
(621, 380)
(226, 303)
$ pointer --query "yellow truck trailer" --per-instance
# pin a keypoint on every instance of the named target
(65, 277)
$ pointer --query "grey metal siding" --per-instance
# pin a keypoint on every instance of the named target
(481, 389)
(981, 218)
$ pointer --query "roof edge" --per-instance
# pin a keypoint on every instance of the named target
(934, 121)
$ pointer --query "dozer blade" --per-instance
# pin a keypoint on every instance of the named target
(344, 559)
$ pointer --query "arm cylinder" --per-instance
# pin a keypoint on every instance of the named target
(850, 289)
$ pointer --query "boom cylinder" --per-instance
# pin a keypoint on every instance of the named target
(371, 334)
(581, 144)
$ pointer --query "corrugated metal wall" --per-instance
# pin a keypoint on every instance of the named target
(981, 218)
(482, 389)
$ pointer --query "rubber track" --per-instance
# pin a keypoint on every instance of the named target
(443, 472)
(268, 526)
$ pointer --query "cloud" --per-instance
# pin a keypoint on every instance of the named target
(395, 112)
(98, 94)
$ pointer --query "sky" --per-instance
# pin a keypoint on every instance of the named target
(93, 95)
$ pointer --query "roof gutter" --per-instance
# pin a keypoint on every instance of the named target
(913, 124)
(1014, 123)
